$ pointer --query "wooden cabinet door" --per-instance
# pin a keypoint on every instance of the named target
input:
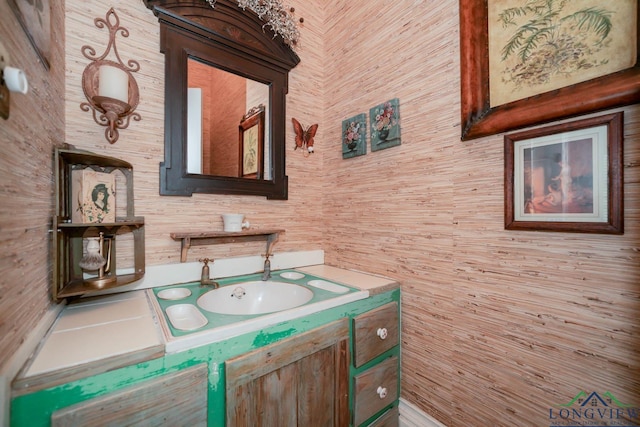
(300, 381)
(177, 399)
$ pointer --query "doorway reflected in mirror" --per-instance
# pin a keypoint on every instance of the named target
(218, 102)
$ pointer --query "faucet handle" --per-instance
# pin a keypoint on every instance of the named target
(266, 274)
(205, 279)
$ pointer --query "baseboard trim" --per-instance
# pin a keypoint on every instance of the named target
(411, 416)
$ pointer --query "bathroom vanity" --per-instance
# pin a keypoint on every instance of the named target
(332, 366)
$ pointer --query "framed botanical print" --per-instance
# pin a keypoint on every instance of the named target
(251, 144)
(526, 63)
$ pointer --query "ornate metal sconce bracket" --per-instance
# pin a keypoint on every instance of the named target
(106, 110)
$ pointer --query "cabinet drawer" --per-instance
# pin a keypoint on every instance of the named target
(375, 332)
(391, 418)
(374, 389)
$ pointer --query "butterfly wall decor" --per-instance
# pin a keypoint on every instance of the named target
(304, 137)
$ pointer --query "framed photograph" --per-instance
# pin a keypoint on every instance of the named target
(252, 144)
(354, 136)
(385, 125)
(35, 19)
(528, 63)
(566, 177)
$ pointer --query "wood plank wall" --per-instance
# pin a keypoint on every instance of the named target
(498, 326)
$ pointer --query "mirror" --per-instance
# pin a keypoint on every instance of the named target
(228, 44)
(220, 142)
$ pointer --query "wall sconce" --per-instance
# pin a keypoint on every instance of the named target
(110, 88)
(11, 80)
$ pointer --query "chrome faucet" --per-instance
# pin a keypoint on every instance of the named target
(266, 274)
(205, 280)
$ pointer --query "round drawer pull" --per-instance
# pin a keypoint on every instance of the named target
(382, 392)
(382, 333)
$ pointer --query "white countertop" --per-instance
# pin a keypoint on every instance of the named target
(114, 325)
(355, 279)
(97, 329)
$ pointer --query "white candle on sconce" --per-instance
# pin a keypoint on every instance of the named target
(113, 83)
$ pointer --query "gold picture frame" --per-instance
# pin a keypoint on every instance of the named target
(479, 118)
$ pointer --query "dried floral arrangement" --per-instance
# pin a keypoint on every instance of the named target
(275, 15)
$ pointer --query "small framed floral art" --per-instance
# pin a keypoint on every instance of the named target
(385, 125)
(354, 136)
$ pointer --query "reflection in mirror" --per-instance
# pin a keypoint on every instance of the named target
(251, 143)
(218, 102)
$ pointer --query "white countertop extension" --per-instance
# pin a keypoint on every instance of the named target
(355, 279)
(95, 330)
(114, 325)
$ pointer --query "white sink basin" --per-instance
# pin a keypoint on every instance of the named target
(254, 298)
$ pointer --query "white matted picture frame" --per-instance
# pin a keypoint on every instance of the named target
(566, 177)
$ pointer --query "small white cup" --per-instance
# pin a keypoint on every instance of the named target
(234, 223)
(15, 80)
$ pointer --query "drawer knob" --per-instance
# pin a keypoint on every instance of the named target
(382, 392)
(382, 333)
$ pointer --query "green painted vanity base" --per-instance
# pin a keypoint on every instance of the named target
(36, 409)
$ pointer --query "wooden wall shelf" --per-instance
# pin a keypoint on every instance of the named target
(216, 237)
(69, 279)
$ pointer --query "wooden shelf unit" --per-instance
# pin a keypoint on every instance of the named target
(68, 277)
(216, 237)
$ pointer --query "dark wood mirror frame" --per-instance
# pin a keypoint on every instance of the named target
(236, 41)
